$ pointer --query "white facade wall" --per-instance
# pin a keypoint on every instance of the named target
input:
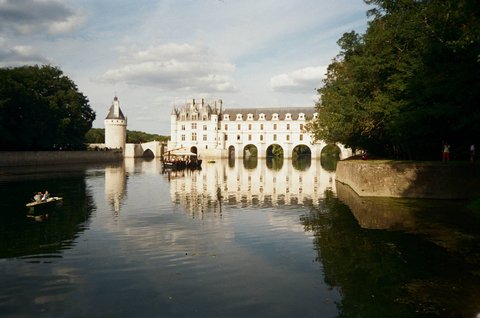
(212, 138)
(115, 133)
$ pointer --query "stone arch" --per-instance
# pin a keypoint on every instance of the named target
(231, 152)
(301, 150)
(275, 150)
(148, 154)
(250, 150)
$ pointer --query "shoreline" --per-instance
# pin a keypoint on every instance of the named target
(34, 158)
(403, 179)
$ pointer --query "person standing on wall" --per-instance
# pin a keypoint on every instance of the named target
(446, 152)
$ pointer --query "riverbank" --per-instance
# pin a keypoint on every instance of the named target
(404, 179)
(33, 158)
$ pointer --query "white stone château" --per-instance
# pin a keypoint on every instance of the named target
(211, 131)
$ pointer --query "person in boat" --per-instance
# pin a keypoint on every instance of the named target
(38, 197)
(46, 196)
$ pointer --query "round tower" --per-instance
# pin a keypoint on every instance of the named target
(115, 127)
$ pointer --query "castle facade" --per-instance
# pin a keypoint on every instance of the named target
(212, 131)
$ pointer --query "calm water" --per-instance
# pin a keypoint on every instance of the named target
(235, 239)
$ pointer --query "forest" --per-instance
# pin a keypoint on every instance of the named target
(409, 84)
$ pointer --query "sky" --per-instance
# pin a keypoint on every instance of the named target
(157, 54)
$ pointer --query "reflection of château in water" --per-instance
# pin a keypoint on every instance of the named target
(222, 183)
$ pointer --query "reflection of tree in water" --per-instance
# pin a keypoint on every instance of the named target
(274, 163)
(250, 162)
(302, 163)
(22, 236)
(329, 157)
(386, 273)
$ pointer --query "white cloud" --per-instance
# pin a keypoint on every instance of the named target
(299, 81)
(177, 67)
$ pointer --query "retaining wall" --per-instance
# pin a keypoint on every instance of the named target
(436, 180)
(29, 158)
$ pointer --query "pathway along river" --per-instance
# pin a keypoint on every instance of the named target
(263, 239)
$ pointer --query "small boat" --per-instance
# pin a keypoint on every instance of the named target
(181, 159)
(49, 202)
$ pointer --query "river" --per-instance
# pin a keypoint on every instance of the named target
(234, 239)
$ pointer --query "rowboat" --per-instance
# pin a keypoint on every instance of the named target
(49, 202)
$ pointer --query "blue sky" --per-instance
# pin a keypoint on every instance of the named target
(154, 54)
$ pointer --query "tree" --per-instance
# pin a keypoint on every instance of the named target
(407, 84)
(41, 109)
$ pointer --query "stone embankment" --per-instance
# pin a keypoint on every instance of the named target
(31, 158)
(403, 179)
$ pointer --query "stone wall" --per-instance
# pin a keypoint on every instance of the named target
(30, 158)
(436, 180)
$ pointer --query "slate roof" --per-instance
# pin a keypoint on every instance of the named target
(111, 114)
(281, 111)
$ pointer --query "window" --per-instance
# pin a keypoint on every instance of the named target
(239, 116)
(301, 127)
(204, 137)
(275, 137)
(249, 137)
(226, 137)
(183, 127)
(288, 137)
(262, 116)
(204, 117)
(238, 137)
(204, 127)
(239, 127)
(194, 136)
(194, 116)
(301, 137)
(301, 116)
(226, 127)
(226, 117)
(288, 116)
(261, 126)
(275, 116)
(249, 126)
(261, 137)
(194, 125)
(274, 126)
(250, 116)
(183, 137)
(288, 126)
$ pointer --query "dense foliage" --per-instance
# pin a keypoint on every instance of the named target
(41, 109)
(407, 85)
(97, 136)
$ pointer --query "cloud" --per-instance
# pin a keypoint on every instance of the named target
(28, 17)
(178, 67)
(299, 81)
(19, 55)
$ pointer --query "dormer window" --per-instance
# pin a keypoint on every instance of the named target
(262, 116)
(239, 117)
(288, 116)
(301, 116)
(250, 116)
(275, 116)
(315, 116)
(226, 117)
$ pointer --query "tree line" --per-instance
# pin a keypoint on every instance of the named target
(97, 136)
(408, 84)
(42, 109)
